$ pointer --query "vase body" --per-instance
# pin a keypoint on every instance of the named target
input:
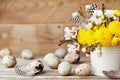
(109, 60)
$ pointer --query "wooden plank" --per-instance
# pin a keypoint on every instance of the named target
(40, 38)
(44, 11)
(48, 74)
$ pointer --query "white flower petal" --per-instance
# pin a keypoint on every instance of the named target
(98, 21)
(87, 7)
(83, 49)
(75, 14)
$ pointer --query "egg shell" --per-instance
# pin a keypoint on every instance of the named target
(48, 56)
(36, 66)
(64, 68)
(53, 62)
(70, 58)
(60, 53)
(5, 51)
(27, 54)
(83, 69)
(9, 61)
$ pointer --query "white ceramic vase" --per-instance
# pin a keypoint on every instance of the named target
(109, 60)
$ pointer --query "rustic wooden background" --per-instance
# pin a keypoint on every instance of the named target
(38, 24)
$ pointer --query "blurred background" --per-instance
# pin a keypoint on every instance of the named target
(38, 24)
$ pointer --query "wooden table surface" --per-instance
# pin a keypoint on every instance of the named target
(47, 74)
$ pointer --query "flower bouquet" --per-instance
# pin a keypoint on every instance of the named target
(98, 35)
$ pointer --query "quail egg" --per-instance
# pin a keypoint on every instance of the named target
(64, 68)
(83, 69)
(27, 54)
(37, 66)
(60, 53)
(48, 56)
(70, 58)
(5, 51)
(9, 61)
(53, 62)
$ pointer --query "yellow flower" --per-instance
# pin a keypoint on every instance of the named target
(95, 27)
(117, 12)
(86, 37)
(81, 36)
(90, 37)
(115, 41)
(114, 27)
(103, 36)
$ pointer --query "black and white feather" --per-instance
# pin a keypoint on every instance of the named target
(31, 69)
(92, 8)
(112, 74)
(21, 72)
(77, 19)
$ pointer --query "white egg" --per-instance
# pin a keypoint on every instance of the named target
(70, 58)
(37, 66)
(48, 56)
(53, 62)
(83, 69)
(5, 51)
(64, 68)
(27, 54)
(60, 53)
(9, 61)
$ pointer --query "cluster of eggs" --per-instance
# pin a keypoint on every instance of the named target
(65, 67)
(8, 60)
(52, 59)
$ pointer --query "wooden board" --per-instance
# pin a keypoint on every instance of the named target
(38, 24)
(47, 74)
(44, 11)
(40, 38)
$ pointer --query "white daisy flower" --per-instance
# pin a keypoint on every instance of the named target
(70, 33)
(74, 32)
(67, 34)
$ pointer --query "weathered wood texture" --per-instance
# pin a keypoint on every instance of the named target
(40, 38)
(38, 24)
(45, 11)
(48, 74)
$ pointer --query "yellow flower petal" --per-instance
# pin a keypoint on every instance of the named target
(117, 12)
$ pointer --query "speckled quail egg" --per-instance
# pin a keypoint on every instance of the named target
(48, 56)
(53, 62)
(9, 61)
(60, 53)
(83, 69)
(70, 58)
(5, 51)
(36, 65)
(27, 54)
(64, 68)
